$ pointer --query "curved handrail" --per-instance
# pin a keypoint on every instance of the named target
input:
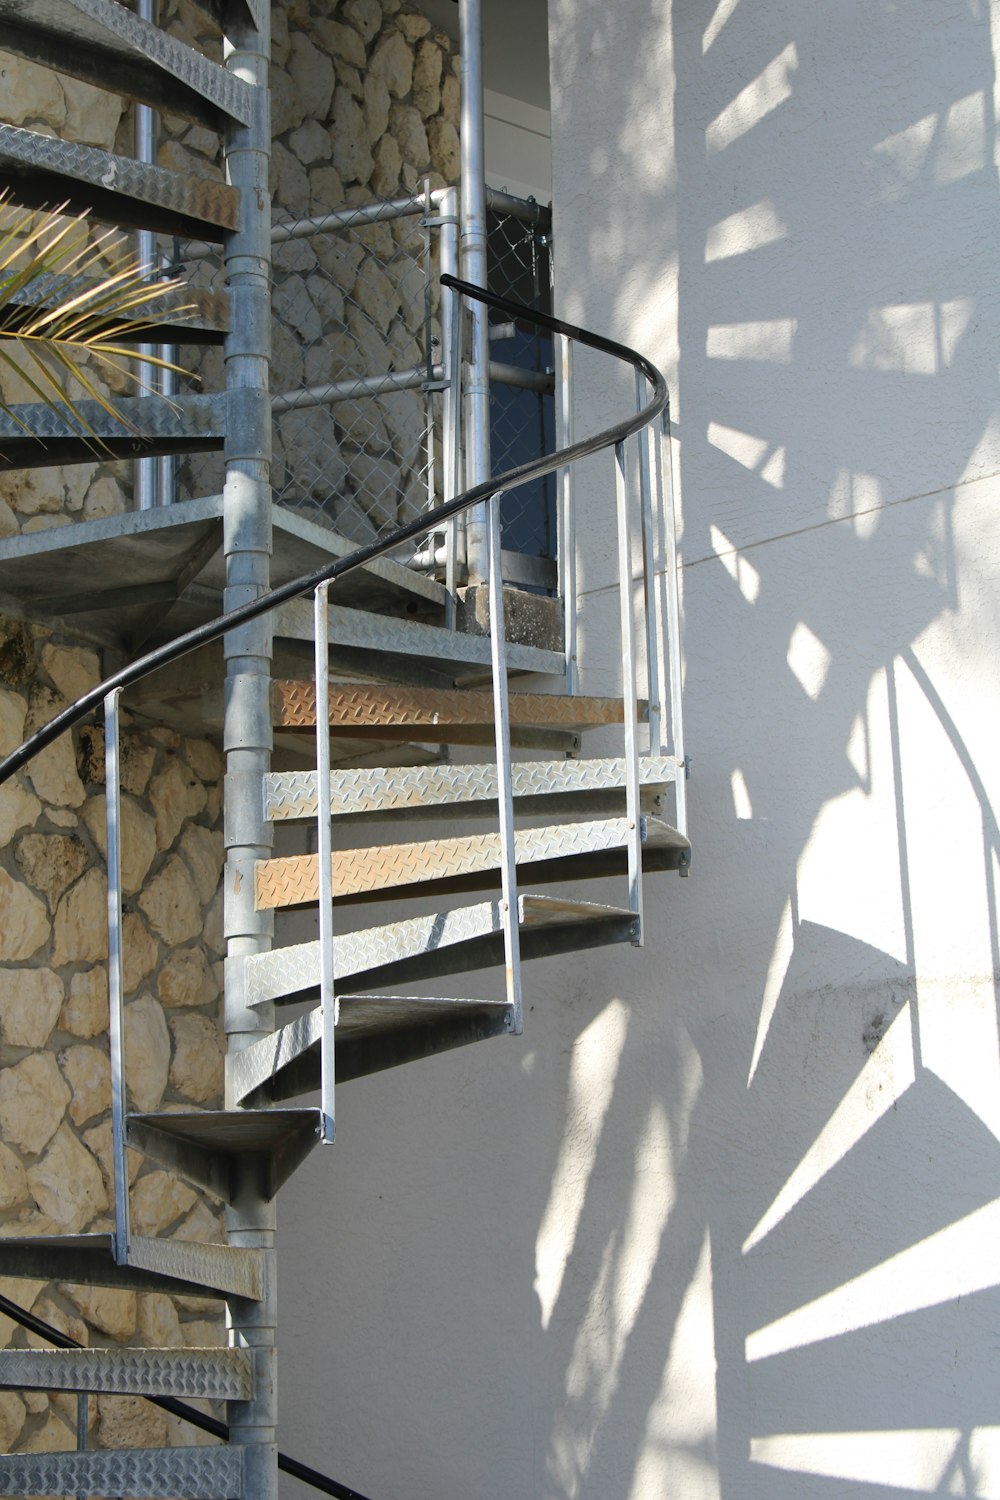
(212, 630)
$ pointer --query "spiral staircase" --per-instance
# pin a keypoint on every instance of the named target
(503, 798)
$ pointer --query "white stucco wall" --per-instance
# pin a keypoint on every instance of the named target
(725, 1222)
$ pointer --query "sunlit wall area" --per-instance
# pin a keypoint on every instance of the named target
(794, 209)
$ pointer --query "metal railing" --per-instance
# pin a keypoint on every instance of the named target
(662, 673)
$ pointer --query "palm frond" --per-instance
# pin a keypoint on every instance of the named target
(69, 299)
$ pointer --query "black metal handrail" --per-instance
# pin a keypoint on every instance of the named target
(212, 630)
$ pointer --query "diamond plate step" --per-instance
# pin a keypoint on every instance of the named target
(566, 851)
(183, 315)
(388, 636)
(424, 947)
(177, 1266)
(420, 791)
(374, 1032)
(219, 1149)
(456, 717)
(214, 1374)
(142, 427)
(117, 190)
(108, 46)
(210, 1473)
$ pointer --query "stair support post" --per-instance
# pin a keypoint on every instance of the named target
(250, 1219)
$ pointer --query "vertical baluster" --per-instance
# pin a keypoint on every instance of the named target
(629, 693)
(501, 718)
(116, 992)
(648, 488)
(324, 854)
(673, 623)
(566, 512)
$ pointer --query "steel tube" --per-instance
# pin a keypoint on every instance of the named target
(654, 688)
(250, 1220)
(676, 670)
(451, 421)
(566, 509)
(630, 696)
(477, 382)
(524, 380)
(324, 855)
(350, 390)
(116, 987)
(505, 799)
(145, 470)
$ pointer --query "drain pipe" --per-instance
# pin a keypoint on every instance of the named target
(477, 379)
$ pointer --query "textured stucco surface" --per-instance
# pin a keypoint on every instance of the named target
(723, 1222)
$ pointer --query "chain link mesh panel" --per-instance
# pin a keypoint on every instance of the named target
(355, 312)
(522, 421)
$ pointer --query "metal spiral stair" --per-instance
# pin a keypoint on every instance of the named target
(578, 819)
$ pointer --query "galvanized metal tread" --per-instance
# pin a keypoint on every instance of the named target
(566, 851)
(40, 171)
(460, 716)
(220, 1149)
(182, 315)
(374, 1032)
(213, 1374)
(421, 791)
(111, 47)
(208, 1473)
(386, 635)
(143, 426)
(468, 937)
(178, 1266)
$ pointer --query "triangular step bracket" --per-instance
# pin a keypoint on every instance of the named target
(374, 1032)
(221, 1149)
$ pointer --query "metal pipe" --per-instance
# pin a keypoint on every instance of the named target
(654, 688)
(676, 671)
(474, 268)
(630, 706)
(524, 380)
(116, 987)
(145, 470)
(324, 855)
(350, 390)
(247, 735)
(566, 511)
(505, 801)
(526, 210)
(451, 419)
(167, 462)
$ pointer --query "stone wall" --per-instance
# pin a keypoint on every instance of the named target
(55, 1132)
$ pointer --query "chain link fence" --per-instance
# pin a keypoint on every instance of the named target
(522, 404)
(358, 372)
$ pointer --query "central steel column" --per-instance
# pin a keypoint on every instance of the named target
(247, 735)
(477, 378)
